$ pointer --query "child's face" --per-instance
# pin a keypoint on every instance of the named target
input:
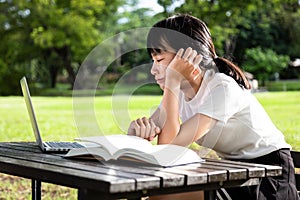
(160, 63)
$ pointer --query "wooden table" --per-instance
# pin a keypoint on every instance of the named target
(113, 180)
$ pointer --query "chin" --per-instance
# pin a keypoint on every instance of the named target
(162, 87)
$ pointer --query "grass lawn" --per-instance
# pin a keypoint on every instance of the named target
(55, 116)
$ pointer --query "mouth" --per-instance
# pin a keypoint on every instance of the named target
(160, 81)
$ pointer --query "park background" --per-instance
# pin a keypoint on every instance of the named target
(47, 41)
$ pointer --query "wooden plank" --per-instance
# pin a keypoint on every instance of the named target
(233, 173)
(210, 171)
(192, 177)
(113, 179)
(252, 171)
(142, 181)
(22, 146)
(68, 177)
(213, 175)
(270, 170)
(167, 179)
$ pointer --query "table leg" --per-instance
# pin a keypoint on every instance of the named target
(210, 195)
(36, 189)
(85, 194)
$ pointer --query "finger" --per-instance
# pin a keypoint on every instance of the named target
(192, 56)
(137, 128)
(180, 52)
(157, 130)
(142, 128)
(147, 127)
(187, 53)
(151, 138)
(131, 129)
(153, 127)
(197, 60)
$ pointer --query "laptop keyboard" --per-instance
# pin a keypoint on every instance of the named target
(65, 145)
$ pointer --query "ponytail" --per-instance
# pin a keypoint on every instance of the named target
(230, 69)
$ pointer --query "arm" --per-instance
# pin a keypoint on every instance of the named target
(169, 114)
(181, 134)
(181, 70)
(193, 129)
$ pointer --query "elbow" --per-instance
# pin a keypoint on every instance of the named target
(167, 137)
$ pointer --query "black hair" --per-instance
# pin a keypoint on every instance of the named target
(183, 31)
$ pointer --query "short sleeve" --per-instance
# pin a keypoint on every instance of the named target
(221, 98)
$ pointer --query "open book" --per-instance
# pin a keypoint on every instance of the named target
(127, 147)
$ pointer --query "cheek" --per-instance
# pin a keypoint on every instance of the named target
(167, 60)
(162, 70)
(158, 69)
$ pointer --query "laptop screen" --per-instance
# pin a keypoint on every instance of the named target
(30, 110)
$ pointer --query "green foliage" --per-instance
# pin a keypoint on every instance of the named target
(239, 25)
(263, 63)
(9, 80)
(291, 25)
(57, 35)
(289, 85)
(44, 39)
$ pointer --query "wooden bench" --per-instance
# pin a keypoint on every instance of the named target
(296, 159)
(125, 180)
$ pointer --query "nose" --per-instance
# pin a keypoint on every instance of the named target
(153, 70)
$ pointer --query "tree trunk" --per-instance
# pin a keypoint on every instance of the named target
(65, 55)
(229, 46)
(53, 75)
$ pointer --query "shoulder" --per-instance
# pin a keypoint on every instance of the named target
(224, 90)
(214, 80)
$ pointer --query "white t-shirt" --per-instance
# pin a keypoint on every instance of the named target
(243, 129)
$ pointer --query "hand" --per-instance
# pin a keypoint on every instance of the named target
(184, 66)
(144, 128)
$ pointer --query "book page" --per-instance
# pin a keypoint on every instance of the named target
(164, 155)
(113, 143)
(172, 155)
(89, 153)
(119, 146)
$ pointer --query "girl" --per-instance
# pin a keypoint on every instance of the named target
(207, 99)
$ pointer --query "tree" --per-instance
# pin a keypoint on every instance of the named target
(56, 35)
(291, 30)
(268, 26)
(130, 18)
(222, 18)
(65, 32)
(264, 63)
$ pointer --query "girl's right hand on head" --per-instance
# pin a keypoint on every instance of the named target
(185, 65)
(144, 128)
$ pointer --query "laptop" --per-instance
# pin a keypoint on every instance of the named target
(58, 147)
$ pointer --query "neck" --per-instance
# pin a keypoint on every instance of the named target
(191, 87)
